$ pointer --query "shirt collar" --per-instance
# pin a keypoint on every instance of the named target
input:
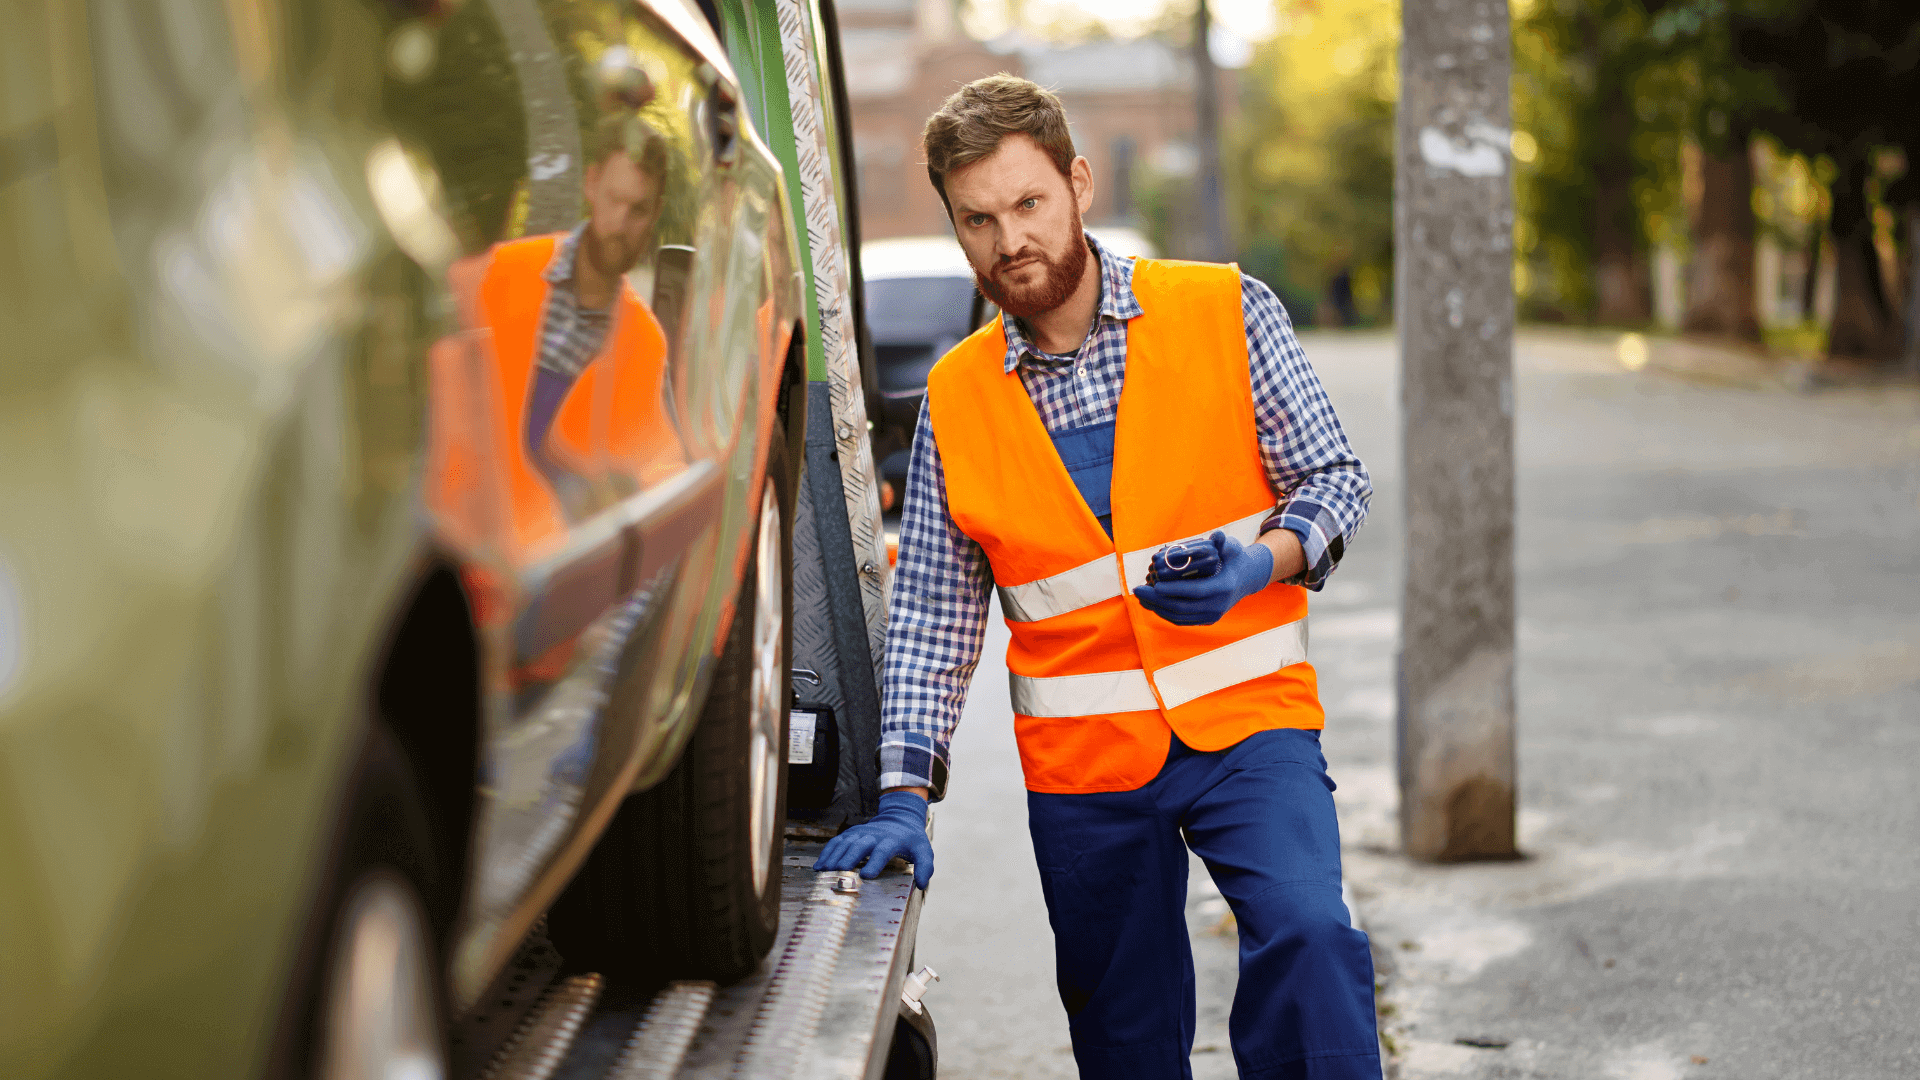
(1116, 302)
(560, 268)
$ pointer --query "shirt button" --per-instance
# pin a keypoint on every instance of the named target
(1083, 373)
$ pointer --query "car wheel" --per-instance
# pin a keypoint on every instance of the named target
(370, 998)
(685, 882)
(380, 1015)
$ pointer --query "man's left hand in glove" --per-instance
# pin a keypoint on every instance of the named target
(899, 830)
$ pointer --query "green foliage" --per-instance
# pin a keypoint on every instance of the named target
(1598, 100)
(1310, 164)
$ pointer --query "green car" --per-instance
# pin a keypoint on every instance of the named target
(399, 423)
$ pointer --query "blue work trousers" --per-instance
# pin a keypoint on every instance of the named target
(1114, 869)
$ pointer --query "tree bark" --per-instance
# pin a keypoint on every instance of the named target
(1864, 323)
(1913, 285)
(1720, 288)
(1453, 299)
(1810, 285)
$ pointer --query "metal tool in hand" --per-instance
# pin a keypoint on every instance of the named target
(1186, 559)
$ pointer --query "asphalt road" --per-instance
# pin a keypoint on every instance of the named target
(1719, 688)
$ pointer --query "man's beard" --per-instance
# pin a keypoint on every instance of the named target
(611, 256)
(1060, 276)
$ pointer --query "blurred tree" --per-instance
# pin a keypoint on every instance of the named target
(1721, 113)
(1848, 77)
(1310, 162)
(1597, 120)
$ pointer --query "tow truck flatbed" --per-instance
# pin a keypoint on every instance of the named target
(824, 1004)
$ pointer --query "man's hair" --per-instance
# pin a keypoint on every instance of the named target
(625, 131)
(970, 124)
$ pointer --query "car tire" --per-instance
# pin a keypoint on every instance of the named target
(685, 881)
(370, 996)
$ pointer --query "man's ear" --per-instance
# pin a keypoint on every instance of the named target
(1081, 174)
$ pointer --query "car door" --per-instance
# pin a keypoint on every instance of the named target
(687, 510)
(550, 409)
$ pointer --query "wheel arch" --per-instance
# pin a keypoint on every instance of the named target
(424, 693)
(793, 404)
(426, 690)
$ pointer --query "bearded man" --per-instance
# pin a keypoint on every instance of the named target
(1139, 456)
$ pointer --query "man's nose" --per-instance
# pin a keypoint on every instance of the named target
(1010, 242)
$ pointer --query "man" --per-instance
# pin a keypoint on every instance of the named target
(578, 360)
(1118, 407)
(584, 273)
(574, 405)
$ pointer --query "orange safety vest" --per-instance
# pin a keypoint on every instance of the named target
(1098, 681)
(613, 423)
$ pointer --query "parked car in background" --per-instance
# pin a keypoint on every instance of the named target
(920, 294)
(1124, 240)
(398, 427)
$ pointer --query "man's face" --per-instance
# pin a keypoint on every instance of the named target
(623, 202)
(1018, 220)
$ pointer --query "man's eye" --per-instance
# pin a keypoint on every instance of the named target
(1030, 204)
(977, 220)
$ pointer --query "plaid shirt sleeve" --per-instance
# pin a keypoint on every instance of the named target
(936, 624)
(1324, 489)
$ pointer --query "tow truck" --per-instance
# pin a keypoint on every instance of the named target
(839, 997)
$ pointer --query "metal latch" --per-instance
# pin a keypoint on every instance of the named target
(916, 988)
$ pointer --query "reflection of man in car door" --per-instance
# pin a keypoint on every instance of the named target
(550, 406)
(559, 303)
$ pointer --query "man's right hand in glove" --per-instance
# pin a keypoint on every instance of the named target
(899, 830)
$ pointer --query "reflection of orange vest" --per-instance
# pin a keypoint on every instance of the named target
(1098, 681)
(613, 428)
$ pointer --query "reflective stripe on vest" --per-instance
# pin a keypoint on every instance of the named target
(1095, 694)
(1129, 691)
(1249, 658)
(1090, 583)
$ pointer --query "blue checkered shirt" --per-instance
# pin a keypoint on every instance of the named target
(937, 615)
(570, 335)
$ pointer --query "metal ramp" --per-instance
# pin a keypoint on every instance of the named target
(823, 1005)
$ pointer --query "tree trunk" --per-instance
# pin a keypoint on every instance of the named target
(1810, 285)
(1623, 287)
(1864, 324)
(1720, 288)
(1913, 286)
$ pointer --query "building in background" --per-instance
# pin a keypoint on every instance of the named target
(1131, 104)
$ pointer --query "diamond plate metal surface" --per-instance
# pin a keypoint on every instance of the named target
(813, 643)
(832, 293)
(817, 647)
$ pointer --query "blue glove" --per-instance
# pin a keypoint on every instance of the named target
(1245, 569)
(899, 829)
(1190, 559)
